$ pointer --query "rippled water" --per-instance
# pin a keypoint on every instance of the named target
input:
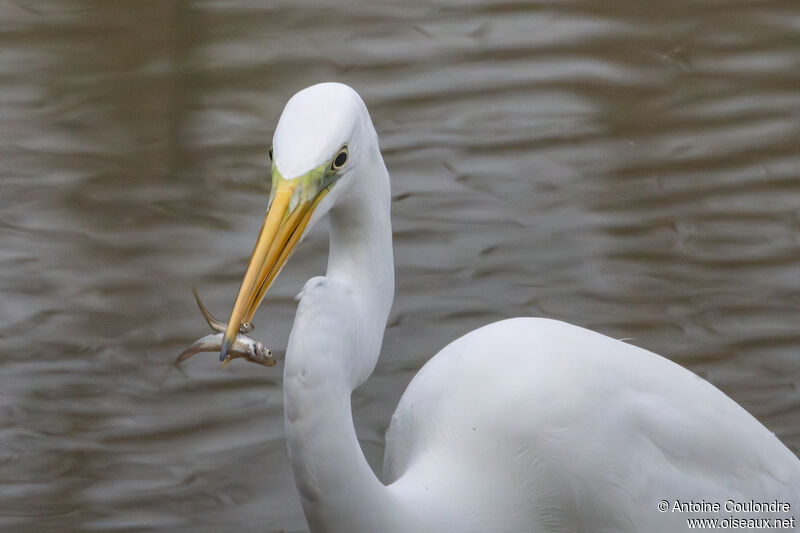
(627, 166)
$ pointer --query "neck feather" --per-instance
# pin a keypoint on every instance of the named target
(338, 489)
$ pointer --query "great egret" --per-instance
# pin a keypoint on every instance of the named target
(526, 424)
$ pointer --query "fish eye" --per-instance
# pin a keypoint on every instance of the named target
(270, 153)
(340, 159)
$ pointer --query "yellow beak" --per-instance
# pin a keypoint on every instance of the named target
(292, 204)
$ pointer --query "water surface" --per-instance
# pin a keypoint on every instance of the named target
(628, 166)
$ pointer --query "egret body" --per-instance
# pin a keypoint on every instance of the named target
(526, 424)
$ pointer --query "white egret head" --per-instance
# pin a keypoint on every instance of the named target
(322, 139)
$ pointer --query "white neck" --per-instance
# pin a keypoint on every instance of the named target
(335, 342)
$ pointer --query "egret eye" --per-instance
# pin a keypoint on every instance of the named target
(340, 159)
(270, 153)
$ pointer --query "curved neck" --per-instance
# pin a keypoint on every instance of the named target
(338, 489)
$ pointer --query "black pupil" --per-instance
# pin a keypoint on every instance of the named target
(340, 160)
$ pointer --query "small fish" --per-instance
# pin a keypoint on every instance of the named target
(243, 346)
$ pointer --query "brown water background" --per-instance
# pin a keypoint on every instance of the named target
(629, 166)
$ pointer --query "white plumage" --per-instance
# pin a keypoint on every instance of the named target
(526, 424)
(553, 427)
